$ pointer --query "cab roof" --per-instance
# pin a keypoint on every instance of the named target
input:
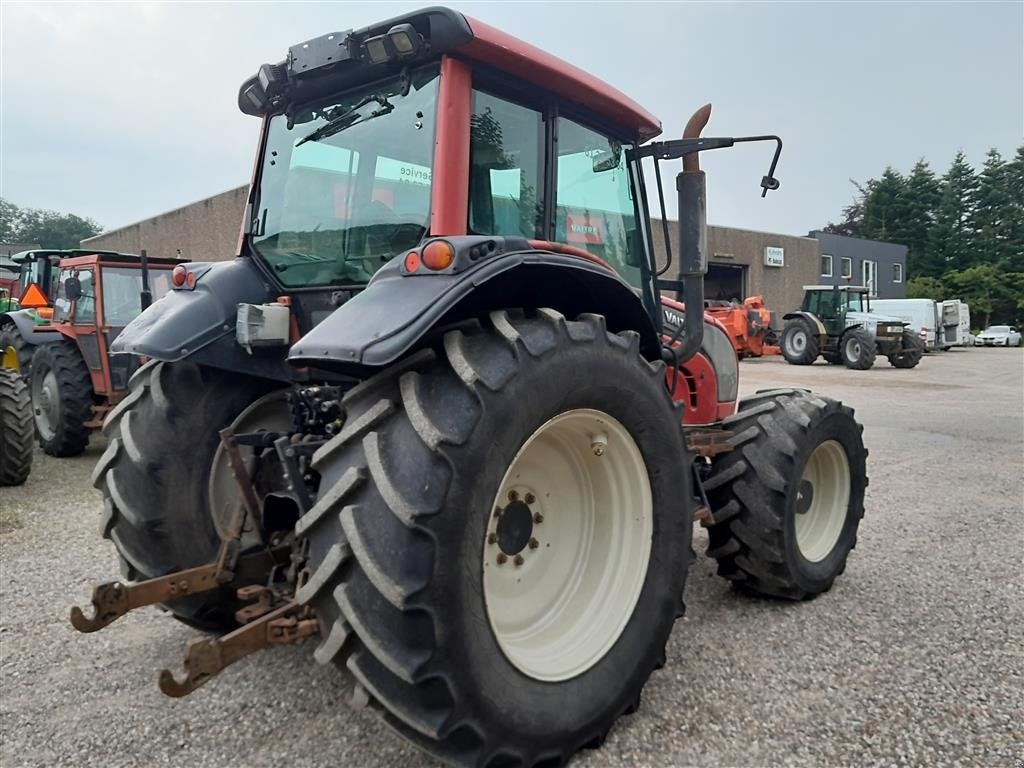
(340, 60)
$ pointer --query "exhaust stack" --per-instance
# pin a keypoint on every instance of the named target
(693, 239)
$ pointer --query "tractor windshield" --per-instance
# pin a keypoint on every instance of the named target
(122, 292)
(855, 302)
(345, 183)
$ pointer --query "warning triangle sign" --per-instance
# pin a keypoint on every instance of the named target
(33, 298)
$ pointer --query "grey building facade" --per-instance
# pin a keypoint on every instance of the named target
(882, 267)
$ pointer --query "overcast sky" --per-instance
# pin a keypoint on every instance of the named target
(119, 112)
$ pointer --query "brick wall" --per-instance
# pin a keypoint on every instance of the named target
(203, 231)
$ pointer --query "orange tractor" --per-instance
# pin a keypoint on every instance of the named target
(437, 414)
(749, 326)
(63, 350)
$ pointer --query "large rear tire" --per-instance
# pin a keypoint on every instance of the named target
(913, 351)
(15, 429)
(61, 398)
(155, 477)
(858, 349)
(788, 500)
(800, 344)
(459, 566)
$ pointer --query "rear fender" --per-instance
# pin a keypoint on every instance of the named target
(398, 310)
(198, 324)
(31, 332)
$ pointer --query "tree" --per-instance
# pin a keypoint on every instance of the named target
(989, 291)
(48, 228)
(926, 288)
(1015, 210)
(921, 194)
(992, 216)
(884, 207)
(951, 239)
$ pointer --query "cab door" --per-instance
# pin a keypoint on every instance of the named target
(79, 321)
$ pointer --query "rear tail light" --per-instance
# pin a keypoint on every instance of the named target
(438, 254)
(178, 276)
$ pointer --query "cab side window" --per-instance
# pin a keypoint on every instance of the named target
(505, 168)
(85, 308)
(594, 199)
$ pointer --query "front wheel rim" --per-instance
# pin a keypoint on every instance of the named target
(567, 545)
(46, 402)
(823, 501)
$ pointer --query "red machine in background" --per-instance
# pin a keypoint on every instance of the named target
(749, 326)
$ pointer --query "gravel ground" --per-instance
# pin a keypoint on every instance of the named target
(914, 658)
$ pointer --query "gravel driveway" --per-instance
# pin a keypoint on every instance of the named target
(914, 658)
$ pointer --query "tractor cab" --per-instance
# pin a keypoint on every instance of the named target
(95, 297)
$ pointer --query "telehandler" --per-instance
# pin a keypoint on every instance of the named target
(437, 414)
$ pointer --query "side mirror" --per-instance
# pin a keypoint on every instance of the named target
(73, 288)
(607, 160)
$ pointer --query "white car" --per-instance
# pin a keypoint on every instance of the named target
(999, 336)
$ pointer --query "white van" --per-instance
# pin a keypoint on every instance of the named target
(924, 316)
(956, 323)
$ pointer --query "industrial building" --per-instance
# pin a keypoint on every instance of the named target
(742, 262)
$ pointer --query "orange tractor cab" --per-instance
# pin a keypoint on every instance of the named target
(63, 350)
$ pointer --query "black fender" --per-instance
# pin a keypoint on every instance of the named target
(198, 324)
(30, 331)
(398, 309)
(814, 322)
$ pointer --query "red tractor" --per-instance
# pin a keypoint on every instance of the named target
(437, 413)
(64, 354)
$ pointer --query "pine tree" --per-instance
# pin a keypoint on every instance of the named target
(884, 202)
(992, 216)
(921, 201)
(952, 243)
(1014, 260)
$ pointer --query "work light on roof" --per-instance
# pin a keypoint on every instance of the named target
(402, 41)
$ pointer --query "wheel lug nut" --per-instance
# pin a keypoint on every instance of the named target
(502, 558)
(518, 560)
(513, 496)
(538, 517)
(530, 498)
(492, 538)
(497, 511)
(534, 543)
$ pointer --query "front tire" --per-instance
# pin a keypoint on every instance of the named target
(15, 429)
(436, 544)
(155, 477)
(788, 499)
(800, 344)
(910, 356)
(858, 349)
(61, 398)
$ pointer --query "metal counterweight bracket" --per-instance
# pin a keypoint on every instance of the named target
(205, 657)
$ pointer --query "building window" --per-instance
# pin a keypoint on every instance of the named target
(846, 263)
(826, 265)
(897, 273)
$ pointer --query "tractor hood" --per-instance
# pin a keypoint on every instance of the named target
(870, 320)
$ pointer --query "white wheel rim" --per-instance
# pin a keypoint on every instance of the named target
(797, 341)
(559, 604)
(853, 350)
(271, 413)
(823, 500)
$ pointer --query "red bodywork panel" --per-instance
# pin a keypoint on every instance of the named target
(449, 193)
(512, 55)
(696, 384)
